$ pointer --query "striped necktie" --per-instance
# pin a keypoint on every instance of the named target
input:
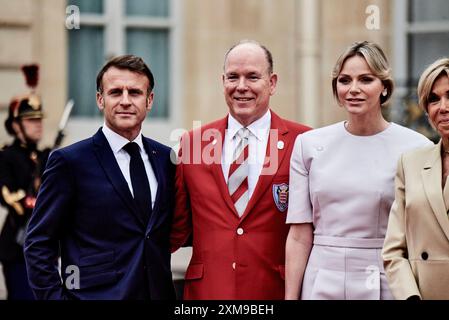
(238, 172)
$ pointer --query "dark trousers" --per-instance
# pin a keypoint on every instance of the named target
(16, 281)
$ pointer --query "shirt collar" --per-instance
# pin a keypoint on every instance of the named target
(257, 128)
(117, 142)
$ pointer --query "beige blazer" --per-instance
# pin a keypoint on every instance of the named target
(416, 248)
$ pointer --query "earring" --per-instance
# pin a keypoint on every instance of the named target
(384, 93)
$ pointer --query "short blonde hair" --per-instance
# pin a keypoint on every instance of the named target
(376, 60)
(428, 78)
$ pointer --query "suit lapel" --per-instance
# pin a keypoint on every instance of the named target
(431, 176)
(156, 166)
(109, 164)
(216, 167)
(276, 150)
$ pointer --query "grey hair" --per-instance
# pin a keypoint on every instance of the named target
(268, 55)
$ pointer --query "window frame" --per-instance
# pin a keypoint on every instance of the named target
(403, 28)
(115, 24)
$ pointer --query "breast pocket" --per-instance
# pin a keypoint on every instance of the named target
(194, 272)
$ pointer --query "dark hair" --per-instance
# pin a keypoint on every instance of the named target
(127, 62)
(268, 55)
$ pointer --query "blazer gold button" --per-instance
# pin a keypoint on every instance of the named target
(239, 231)
(424, 255)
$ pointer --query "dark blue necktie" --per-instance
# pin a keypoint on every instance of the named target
(139, 180)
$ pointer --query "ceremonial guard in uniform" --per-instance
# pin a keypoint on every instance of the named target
(21, 166)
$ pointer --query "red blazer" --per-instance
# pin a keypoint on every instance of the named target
(233, 258)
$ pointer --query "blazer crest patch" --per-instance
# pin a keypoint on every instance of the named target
(280, 196)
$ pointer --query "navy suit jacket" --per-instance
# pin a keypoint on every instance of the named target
(86, 214)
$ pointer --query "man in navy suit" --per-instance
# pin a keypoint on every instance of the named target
(109, 225)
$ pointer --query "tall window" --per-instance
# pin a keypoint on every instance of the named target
(421, 37)
(429, 34)
(112, 27)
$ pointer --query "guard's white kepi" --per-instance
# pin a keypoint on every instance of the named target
(280, 145)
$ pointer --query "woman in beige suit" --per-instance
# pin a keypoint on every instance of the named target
(416, 248)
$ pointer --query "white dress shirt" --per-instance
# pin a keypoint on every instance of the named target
(257, 141)
(117, 142)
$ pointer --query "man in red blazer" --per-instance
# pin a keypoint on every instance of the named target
(232, 211)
